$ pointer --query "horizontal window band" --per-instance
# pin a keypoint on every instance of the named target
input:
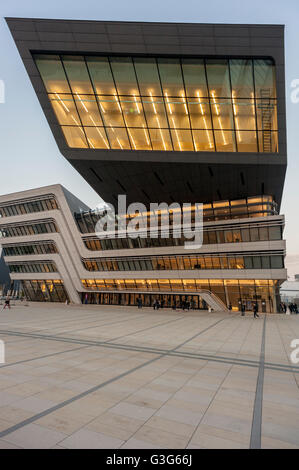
(195, 97)
(28, 200)
(212, 229)
(29, 263)
(94, 88)
(31, 222)
(27, 244)
(187, 257)
(168, 128)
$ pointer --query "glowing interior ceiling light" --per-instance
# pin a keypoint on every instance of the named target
(147, 140)
(253, 113)
(62, 103)
(235, 114)
(176, 133)
(167, 100)
(219, 120)
(204, 120)
(89, 141)
(223, 136)
(98, 130)
(82, 102)
(208, 133)
(184, 101)
(252, 102)
(77, 123)
(118, 141)
(161, 133)
(215, 103)
(131, 137)
(101, 106)
(116, 98)
(200, 105)
(238, 130)
(136, 102)
(155, 111)
(234, 105)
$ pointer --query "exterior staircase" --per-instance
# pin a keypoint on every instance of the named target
(213, 301)
(266, 115)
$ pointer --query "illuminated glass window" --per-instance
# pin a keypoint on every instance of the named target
(30, 249)
(26, 207)
(130, 103)
(46, 290)
(32, 267)
(186, 263)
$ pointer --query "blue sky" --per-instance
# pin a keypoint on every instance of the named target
(29, 156)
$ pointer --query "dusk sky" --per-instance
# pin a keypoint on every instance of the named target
(29, 155)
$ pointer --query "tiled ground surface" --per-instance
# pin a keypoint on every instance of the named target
(119, 377)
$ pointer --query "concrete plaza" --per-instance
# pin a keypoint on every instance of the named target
(122, 378)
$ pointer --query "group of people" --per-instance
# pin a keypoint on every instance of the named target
(157, 304)
(290, 308)
(184, 304)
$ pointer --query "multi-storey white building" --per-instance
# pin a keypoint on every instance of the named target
(50, 245)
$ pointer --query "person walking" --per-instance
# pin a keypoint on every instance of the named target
(7, 302)
(255, 310)
(243, 310)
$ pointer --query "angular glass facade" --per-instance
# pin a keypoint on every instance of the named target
(45, 291)
(257, 206)
(149, 103)
(234, 234)
(169, 263)
(230, 291)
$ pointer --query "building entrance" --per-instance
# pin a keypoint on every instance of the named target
(193, 302)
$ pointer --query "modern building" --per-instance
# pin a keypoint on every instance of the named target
(289, 290)
(186, 113)
(5, 282)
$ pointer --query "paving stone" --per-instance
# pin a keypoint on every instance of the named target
(129, 409)
(34, 436)
(86, 439)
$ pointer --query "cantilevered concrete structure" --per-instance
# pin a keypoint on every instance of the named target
(133, 73)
